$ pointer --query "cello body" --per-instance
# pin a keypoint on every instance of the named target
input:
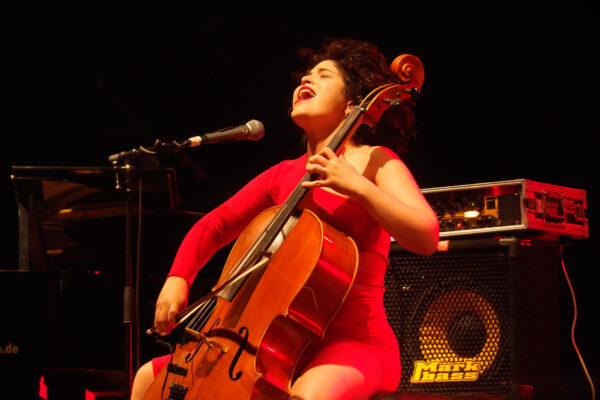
(249, 347)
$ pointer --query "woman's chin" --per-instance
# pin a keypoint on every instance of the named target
(300, 119)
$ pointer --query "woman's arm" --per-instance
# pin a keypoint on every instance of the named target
(215, 230)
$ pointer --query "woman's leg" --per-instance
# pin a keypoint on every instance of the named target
(143, 378)
(340, 371)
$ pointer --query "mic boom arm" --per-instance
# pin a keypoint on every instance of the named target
(252, 130)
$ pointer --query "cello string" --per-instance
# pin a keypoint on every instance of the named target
(208, 312)
(198, 315)
(202, 316)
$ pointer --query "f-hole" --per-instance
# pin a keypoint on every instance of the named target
(244, 334)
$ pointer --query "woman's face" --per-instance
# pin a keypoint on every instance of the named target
(321, 97)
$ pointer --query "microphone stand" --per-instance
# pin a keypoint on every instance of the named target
(129, 169)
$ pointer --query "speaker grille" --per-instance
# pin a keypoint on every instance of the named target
(450, 313)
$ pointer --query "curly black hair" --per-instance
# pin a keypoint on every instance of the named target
(365, 68)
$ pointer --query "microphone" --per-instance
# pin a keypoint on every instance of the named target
(252, 130)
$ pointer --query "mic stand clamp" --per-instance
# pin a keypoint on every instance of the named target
(148, 156)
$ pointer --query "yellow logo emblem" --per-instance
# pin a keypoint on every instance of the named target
(435, 371)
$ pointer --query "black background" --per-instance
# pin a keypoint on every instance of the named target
(510, 92)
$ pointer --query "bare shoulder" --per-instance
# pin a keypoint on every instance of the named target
(381, 155)
(383, 161)
(390, 171)
(377, 162)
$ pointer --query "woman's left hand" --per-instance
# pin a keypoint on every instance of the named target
(335, 172)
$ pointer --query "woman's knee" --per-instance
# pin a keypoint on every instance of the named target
(334, 382)
(142, 381)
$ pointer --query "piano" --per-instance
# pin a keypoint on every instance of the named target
(74, 217)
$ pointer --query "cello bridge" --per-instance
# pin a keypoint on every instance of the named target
(204, 339)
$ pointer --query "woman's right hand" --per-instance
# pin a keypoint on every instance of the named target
(172, 298)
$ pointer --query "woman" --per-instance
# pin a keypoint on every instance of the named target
(366, 191)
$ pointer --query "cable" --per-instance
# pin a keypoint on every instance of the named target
(572, 292)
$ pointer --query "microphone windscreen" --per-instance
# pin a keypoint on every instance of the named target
(257, 129)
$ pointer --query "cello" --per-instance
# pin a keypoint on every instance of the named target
(244, 339)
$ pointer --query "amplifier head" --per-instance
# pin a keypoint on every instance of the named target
(509, 206)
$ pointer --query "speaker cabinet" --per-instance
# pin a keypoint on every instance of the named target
(479, 317)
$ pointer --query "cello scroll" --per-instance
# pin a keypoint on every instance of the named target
(410, 72)
(408, 68)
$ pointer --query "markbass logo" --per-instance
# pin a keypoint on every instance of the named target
(435, 371)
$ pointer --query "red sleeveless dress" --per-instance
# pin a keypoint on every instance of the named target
(361, 319)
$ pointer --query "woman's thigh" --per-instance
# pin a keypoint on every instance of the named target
(341, 370)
